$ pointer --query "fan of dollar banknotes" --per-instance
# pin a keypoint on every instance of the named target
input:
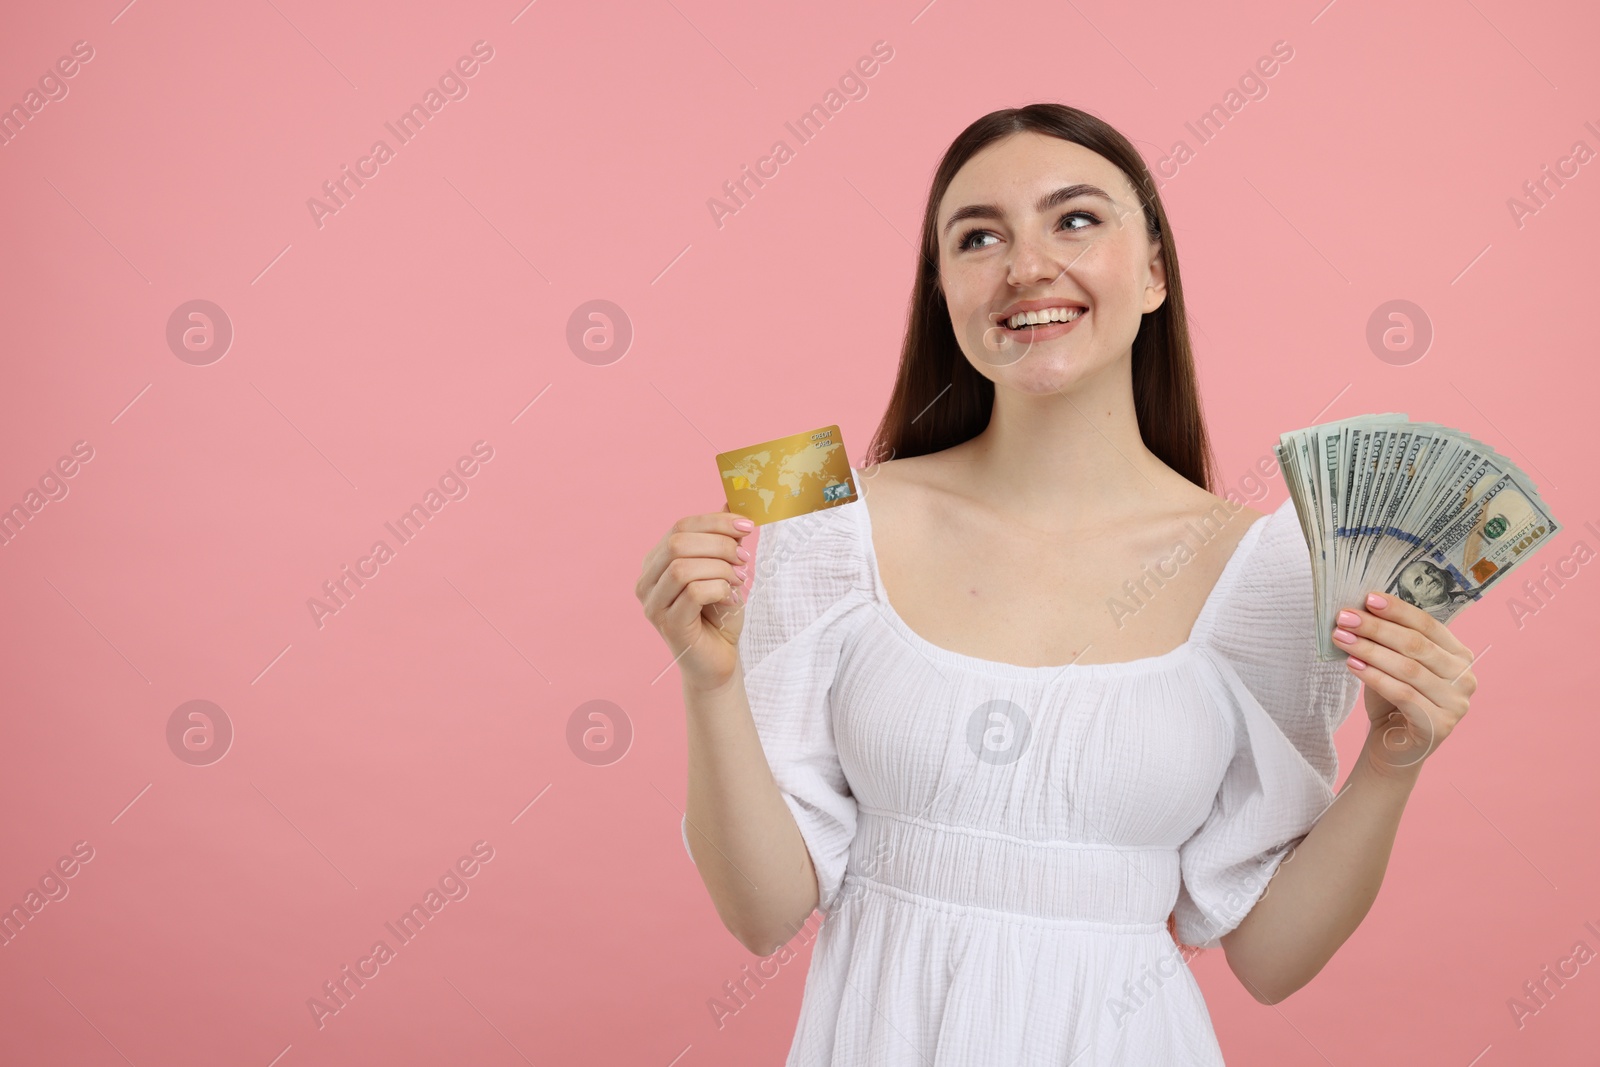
(1415, 509)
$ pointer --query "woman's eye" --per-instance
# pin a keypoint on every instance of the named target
(966, 240)
(1085, 218)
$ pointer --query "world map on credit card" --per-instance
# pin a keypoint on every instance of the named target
(790, 476)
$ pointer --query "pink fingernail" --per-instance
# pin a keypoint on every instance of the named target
(1349, 618)
(1376, 601)
(1357, 664)
(1344, 637)
(743, 524)
(742, 552)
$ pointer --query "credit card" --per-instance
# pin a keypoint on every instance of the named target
(790, 476)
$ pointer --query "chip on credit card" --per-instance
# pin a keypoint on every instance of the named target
(791, 476)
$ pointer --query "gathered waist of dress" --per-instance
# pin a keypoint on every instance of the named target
(1116, 888)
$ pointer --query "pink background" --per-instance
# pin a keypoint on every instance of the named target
(371, 752)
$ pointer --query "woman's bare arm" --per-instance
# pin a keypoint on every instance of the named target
(744, 838)
(1324, 888)
(1417, 687)
(742, 835)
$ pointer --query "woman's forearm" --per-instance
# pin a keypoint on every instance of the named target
(1324, 888)
(744, 839)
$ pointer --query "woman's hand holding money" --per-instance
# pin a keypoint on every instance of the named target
(1418, 681)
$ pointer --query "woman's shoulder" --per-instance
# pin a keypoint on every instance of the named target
(1279, 553)
(1267, 617)
(834, 542)
(912, 493)
(1205, 507)
(808, 569)
(1266, 631)
(820, 550)
(907, 479)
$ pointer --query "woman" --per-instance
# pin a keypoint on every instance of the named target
(1038, 704)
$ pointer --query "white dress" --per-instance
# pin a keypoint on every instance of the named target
(998, 847)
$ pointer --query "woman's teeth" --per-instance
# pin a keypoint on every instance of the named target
(1037, 318)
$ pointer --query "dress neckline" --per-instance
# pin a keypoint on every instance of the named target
(1016, 670)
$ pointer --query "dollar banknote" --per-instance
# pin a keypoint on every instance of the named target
(1420, 511)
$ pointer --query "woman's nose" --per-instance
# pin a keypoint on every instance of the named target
(1035, 261)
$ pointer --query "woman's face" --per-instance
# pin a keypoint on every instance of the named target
(1027, 244)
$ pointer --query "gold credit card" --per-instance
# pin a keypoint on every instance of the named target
(787, 477)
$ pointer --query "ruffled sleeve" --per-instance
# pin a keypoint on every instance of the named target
(808, 594)
(1286, 705)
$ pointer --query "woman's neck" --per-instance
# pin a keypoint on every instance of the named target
(1061, 459)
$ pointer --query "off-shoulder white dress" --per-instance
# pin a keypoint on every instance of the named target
(998, 847)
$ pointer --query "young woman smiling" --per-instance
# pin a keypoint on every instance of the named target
(1053, 794)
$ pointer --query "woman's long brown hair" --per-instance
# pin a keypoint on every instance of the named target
(939, 400)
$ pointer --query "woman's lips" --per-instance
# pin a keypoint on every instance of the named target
(1044, 331)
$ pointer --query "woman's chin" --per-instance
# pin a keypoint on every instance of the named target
(1042, 378)
(1044, 369)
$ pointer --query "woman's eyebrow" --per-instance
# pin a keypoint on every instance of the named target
(1046, 202)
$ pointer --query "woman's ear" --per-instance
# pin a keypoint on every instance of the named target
(1155, 291)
